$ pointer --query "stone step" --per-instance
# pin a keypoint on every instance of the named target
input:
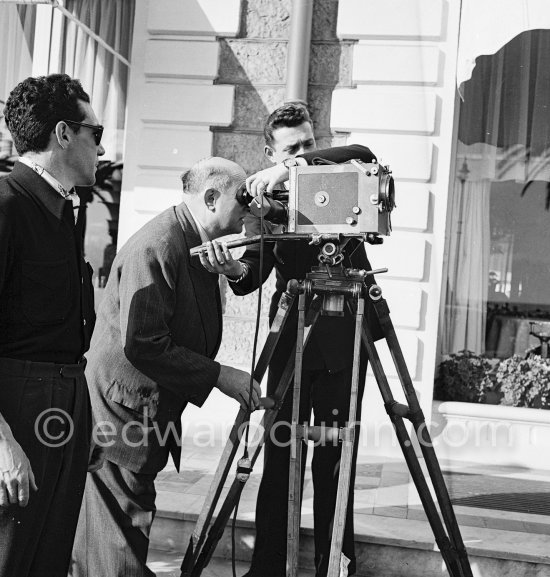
(167, 564)
(385, 547)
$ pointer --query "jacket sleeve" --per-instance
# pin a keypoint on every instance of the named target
(340, 154)
(148, 291)
(5, 247)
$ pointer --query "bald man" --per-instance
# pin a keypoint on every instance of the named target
(158, 329)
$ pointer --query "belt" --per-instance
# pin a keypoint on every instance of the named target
(18, 367)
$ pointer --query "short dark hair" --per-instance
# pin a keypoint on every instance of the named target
(37, 104)
(289, 115)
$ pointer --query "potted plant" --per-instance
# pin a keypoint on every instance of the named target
(523, 382)
(513, 433)
(463, 376)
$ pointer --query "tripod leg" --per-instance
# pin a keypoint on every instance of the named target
(214, 492)
(286, 303)
(199, 533)
(447, 551)
(296, 447)
(346, 458)
(417, 418)
(214, 534)
(199, 552)
(216, 531)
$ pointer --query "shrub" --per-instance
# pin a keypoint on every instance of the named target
(524, 382)
(463, 376)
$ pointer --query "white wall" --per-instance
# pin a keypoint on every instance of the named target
(402, 106)
(173, 101)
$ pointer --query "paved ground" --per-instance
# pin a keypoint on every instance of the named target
(511, 505)
(488, 496)
(168, 565)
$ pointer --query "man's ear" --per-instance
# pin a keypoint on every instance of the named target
(268, 151)
(210, 198)
(62, 134)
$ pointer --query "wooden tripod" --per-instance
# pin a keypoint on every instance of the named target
(331, 287)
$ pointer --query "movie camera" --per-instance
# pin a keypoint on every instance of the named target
(325, 203)
(354, 197)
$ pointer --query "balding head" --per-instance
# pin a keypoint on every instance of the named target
(213, 172)
(210, 187)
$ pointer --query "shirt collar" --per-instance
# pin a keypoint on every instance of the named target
(40, 170)
(55, 184)
(202, 232)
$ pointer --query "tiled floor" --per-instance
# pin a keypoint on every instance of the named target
(513, 502)
(482, 495)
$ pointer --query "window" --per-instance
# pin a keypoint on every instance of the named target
(58, 39)
(498, 243)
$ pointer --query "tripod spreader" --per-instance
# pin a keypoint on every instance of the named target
(319, 434)
(395, 408)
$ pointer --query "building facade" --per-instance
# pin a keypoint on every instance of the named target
(456, 105)
(205, 76)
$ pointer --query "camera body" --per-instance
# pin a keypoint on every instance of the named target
(355, 197)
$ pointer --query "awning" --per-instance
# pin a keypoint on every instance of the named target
(59, 5)
(487, 25)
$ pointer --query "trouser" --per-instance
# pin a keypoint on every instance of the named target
(115, 521)
(329, 396)
(48, 410)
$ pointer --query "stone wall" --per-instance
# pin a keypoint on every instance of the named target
(254, 62)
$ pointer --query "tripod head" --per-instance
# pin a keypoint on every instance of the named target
(331, 279)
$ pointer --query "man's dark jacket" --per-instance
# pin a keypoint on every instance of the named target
(46, 294)
(158, 329)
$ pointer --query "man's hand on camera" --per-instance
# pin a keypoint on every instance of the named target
(266, 180)
(218, 259)
(236, 384)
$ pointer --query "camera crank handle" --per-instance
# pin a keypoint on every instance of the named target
(377, 271)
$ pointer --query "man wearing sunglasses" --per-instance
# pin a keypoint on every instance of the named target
(97, 129)
(46, 321)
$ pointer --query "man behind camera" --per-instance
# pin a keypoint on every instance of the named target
(327, 361)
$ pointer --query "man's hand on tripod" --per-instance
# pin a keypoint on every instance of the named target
(236, 383)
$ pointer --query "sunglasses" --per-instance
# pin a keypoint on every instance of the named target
(97, 129)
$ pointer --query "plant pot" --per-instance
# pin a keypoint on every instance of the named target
(491, 434)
